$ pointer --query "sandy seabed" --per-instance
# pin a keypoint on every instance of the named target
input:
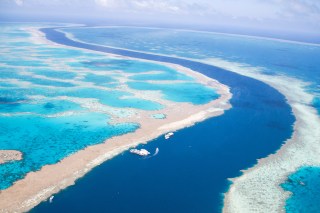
(40, 185)
(9, 155)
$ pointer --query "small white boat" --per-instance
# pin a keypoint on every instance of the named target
(51, 199)
(168, 135)
(141, 152)
(156, 152)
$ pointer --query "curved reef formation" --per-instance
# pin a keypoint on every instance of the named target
(258, 188)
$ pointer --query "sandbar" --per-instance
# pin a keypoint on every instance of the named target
(9, 155)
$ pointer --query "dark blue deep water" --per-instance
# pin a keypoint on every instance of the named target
(190, 172)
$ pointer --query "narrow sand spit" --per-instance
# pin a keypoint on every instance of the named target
(257, 189)
(40, 185)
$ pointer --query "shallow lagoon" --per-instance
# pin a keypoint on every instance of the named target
(36, 99)
(40, 107)
(180, 92)
(44, 140)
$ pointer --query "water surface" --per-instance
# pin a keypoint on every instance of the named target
(190, 172)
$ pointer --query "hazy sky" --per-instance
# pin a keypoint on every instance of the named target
(282, 15)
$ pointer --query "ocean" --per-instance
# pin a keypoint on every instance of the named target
(265, 56)
(191, 171)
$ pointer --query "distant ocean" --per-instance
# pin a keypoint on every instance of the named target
(191, 170)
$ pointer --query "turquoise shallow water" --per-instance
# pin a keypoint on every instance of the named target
(54, 73)
(47, 140)
(180, 92)
(161, 76)
(128, 66)
(304, 186)
(101, 80)
(40, 107)
(112, 98)
(40, 90)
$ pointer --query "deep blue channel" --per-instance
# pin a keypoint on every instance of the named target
(191, 171)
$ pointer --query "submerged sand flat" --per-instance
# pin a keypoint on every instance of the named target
(9, 155)
(40, 185)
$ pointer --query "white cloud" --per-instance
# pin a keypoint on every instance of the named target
(160, 5)
(139, 5)
(275, 13)
(19, 2)
(107, 3)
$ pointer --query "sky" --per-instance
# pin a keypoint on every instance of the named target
(282, 16)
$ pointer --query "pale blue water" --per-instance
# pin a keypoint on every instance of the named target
(272, 57)
(304, 186)
(296, 60)
(101, 80)
(21, 62)
(46, 82)
(4, 84)
(112, 98)
(129, 66)
(161, 76)
(39, 84)
(54, 73)
(180, 92)
(63, 53)
(39, 107)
